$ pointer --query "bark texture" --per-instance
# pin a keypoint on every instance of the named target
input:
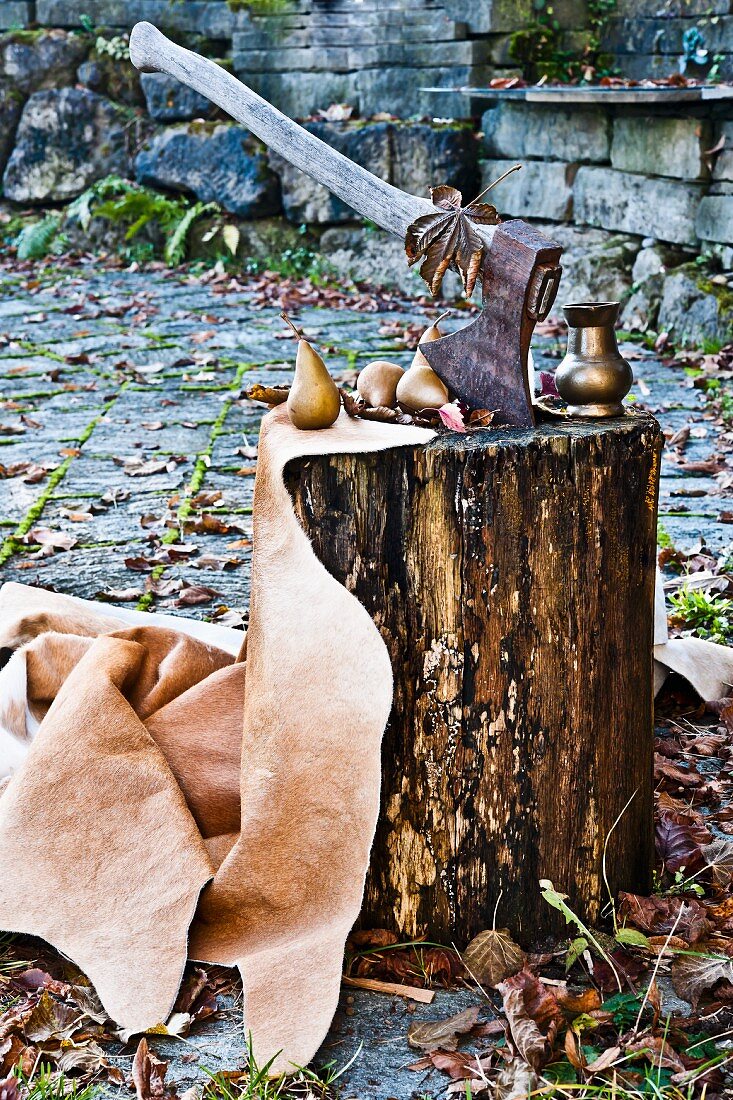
(511, 574)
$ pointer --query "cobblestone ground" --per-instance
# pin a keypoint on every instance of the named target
(123, 433)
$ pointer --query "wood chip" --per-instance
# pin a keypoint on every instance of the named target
(412, 992)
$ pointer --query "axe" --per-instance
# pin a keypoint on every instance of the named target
(483, 364)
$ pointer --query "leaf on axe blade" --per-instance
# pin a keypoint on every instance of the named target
(443, 1034)
(492, 956)
(449, 237)
(533, 1014)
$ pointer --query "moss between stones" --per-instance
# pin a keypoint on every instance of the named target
(23, 37)
(723, 294)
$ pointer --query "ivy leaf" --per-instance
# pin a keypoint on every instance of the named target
(449, 238)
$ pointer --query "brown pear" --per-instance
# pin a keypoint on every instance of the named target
(377, 383)
(420, 388)
(314, 400)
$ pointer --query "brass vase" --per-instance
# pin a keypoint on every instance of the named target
(593, 377)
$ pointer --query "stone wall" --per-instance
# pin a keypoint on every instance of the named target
(375, 55)
(611, 184)
(647, 37)
(641, 177)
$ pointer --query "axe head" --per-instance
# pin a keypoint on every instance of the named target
(485, 363)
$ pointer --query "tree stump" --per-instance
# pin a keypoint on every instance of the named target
(511, 574)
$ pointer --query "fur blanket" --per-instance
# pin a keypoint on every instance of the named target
(177, 801)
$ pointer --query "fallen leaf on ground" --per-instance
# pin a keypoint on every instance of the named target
(51, 1019)
(194, 595)
(493, 956)
(443, 1034)
(148, 1073)
(49, 540)
(695, 975)
(533, 1014)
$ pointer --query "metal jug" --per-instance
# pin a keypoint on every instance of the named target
(593, 377)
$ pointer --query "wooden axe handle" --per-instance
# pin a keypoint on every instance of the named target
(387, 206)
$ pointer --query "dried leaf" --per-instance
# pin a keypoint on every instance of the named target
(718, 857)
(51, 1019)
(120, 595)
(271, 395)
(443, 1034)
(138, 468)
(148, 1073)
(10, 1088)
(695, 975)
(516, 1081)
(49, 540)
(85, 1058)
(448, 238)
(372, 937)
(195, 594)
(533, 1014)
(604, 1061)
(678, 838)
(576, 1003)
(493, 956)
(452, 417)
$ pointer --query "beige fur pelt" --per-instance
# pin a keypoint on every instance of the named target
(175, 802)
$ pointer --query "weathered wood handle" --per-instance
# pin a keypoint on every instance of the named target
(387, 206)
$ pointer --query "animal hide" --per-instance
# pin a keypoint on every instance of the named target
(176, 802)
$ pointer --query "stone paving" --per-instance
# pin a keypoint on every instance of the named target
(123, 431)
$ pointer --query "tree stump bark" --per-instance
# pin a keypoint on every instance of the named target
(511, 574)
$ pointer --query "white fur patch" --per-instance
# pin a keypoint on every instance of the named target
(17, 725)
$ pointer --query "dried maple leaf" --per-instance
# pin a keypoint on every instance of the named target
(449, 237)
(492, 956)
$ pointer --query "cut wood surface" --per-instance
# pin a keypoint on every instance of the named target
(511, 574)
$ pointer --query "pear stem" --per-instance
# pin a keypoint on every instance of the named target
(503, 176)
(442, 317)
(287, 321)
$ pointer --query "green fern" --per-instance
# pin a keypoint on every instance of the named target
(37, 240)
(82, 208)
(175, 247)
